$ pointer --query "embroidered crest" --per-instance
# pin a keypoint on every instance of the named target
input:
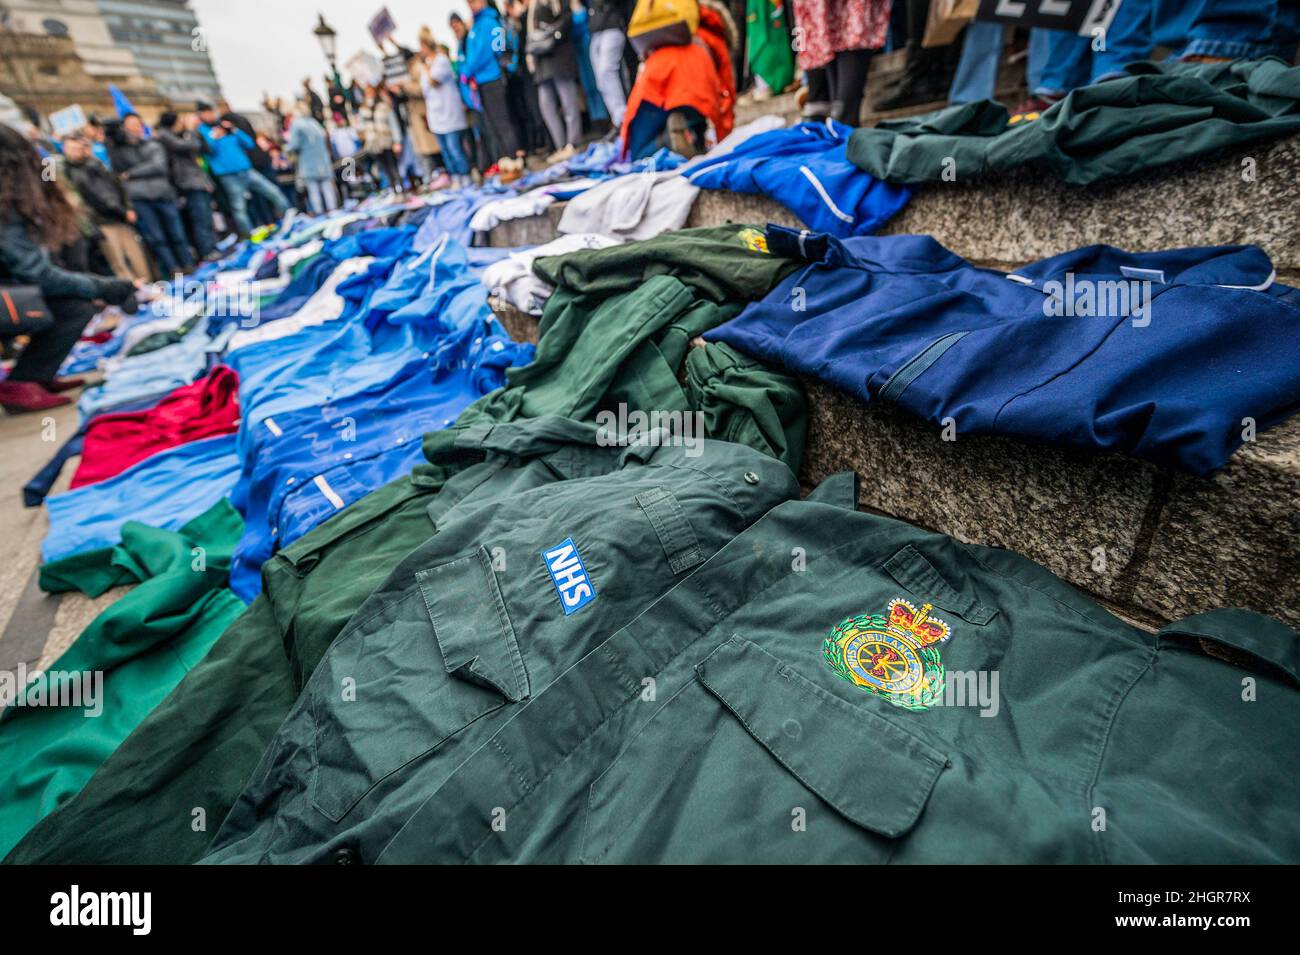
(754, 240)
(893, 655)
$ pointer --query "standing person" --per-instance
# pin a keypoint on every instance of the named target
(105, 196)
(485, 44)
(229, 162)
(308, 144)
(423, 140)
(379, 137)
(608, 25)
(283, 173)
(553, 61)
(35, 216)
(927, 71)
(523, 91)
(314, 101)
(184, 147)
(769, 47)
(473, 138)
(840, 37)
(445, 112)
(238, 120)
(143, 165)
(98, 141)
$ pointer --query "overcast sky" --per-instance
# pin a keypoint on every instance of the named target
(267, 45)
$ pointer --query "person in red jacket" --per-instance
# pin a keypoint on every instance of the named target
(683, 91)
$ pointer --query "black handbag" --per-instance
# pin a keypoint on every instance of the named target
(23, 311)
(542, 42)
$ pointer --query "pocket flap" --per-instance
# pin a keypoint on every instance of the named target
(681, 546)
(471, 625)
(911, 569)
(868, 769)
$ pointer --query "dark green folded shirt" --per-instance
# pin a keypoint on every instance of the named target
(887, 695)
(617, 330)
(1157, 114)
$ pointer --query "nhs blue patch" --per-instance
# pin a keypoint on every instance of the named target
(569, 575)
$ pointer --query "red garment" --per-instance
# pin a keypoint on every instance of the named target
(204, 409)
(827, 27)
(697, 74)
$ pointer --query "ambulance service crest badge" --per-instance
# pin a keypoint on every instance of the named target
(895, 656)
(754, 240)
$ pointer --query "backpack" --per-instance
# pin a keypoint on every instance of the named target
(657, 23)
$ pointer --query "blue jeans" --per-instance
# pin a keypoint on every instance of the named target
(237, 186)
(159, 222)
(1071, 61)
(198, 213)
(453, 154)
(977, 71)
(1244, 29)
(322, 195)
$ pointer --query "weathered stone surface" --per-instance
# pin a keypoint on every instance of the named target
(719, 208)
(1063, 509)
(519, 325)
(1151, 544)
(533, 230)
(1173, 544)
(1230, 540)
(1014, 219)
(1027, 215)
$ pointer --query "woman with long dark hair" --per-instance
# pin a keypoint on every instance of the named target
(35, 218)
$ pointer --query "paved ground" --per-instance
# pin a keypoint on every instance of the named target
(34, 627)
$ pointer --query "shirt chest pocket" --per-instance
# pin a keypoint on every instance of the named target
(752, 762)
(411, 679)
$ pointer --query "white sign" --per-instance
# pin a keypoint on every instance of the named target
(67, 121)
(365, 69)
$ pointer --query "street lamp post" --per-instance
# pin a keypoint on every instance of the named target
(329, 46)
(328, 41)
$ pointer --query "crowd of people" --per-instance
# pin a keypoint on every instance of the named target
(525, 79)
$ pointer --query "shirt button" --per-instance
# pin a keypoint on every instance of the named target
(345, 855)
(751, 477)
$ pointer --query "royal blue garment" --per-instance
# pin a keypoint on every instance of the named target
(904, 320)
(168, 490)
(805, 168)
(319, 460)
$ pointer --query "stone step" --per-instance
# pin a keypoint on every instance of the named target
(886, 68)
(1153, 544)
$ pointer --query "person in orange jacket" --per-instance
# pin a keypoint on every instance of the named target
(682, 91)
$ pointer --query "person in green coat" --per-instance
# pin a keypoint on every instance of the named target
(771, 50)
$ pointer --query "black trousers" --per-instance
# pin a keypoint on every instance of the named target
(496, 110)
(847, 75)
(45, 352)
(386, 162)
(527, 114)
